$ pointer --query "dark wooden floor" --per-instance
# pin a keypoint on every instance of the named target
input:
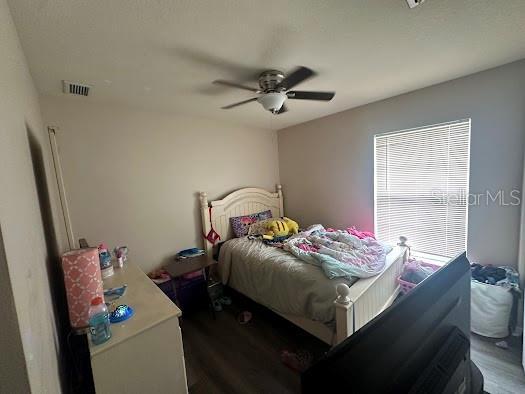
(223, 356)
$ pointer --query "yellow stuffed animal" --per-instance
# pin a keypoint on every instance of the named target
(293, 227)
(276, 228)
(281, 228)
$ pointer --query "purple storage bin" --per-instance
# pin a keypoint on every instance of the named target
(192, 293)
(405, 286)
(168, 289)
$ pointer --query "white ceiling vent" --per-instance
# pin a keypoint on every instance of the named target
(75, 88)
(414, 3)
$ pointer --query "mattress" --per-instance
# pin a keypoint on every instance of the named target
(278, 280)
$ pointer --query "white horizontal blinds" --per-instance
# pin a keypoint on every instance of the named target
(421, 186)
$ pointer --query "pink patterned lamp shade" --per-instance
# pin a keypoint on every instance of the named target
(83, 283)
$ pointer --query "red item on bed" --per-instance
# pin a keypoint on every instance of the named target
(360, 234)
(355, 232)
(308, 248)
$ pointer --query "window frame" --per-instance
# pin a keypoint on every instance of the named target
(439, 259)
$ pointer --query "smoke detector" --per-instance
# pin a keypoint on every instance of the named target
(414, 3)
(75, 88)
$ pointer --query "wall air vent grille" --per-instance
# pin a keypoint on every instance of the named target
(74, 88)
(414, 3)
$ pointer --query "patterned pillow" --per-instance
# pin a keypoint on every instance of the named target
(241, 224)
(265, 215)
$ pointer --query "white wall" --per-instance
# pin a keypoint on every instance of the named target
(30, 280)
(326, 165)
(132, 177)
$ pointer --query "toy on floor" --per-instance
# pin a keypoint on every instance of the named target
(244, 317)
(219, 302)
(298, 361)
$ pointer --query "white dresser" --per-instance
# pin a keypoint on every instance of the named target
(145, 353)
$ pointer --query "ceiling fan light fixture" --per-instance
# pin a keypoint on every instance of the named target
(275, 89)
(272, 101)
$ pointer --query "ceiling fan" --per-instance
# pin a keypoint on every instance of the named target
(274, 89)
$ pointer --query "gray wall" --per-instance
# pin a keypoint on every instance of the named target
(326, 165)
(32, 306)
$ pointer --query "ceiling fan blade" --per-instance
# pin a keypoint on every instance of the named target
(283, 109)
(239, 103)
(296, 77)
(302, 95)
(234, 85)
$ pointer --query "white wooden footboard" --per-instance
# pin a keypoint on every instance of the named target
(357, 305)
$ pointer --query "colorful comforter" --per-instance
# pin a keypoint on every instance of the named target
(285, 283)
(339, 253)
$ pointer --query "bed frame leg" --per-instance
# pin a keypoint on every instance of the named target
(343, 316)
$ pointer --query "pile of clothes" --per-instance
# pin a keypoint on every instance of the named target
(415, 271)
(487, 304)
(499, 276)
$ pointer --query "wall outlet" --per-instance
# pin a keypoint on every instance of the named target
(414, 3)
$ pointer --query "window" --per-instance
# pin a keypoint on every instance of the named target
(421, 187)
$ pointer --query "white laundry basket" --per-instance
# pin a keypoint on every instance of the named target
(490, 310)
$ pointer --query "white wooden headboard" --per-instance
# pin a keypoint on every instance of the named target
(240, 202)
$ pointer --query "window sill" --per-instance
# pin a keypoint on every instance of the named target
(431, 258)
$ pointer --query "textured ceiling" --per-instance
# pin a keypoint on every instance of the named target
(164, 54)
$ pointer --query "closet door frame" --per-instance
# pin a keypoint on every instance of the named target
(521, 265)
(57, 166)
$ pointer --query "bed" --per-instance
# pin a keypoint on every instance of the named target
(330, 309)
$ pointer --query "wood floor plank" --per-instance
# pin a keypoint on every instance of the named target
(223, 356)
(501, 368)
